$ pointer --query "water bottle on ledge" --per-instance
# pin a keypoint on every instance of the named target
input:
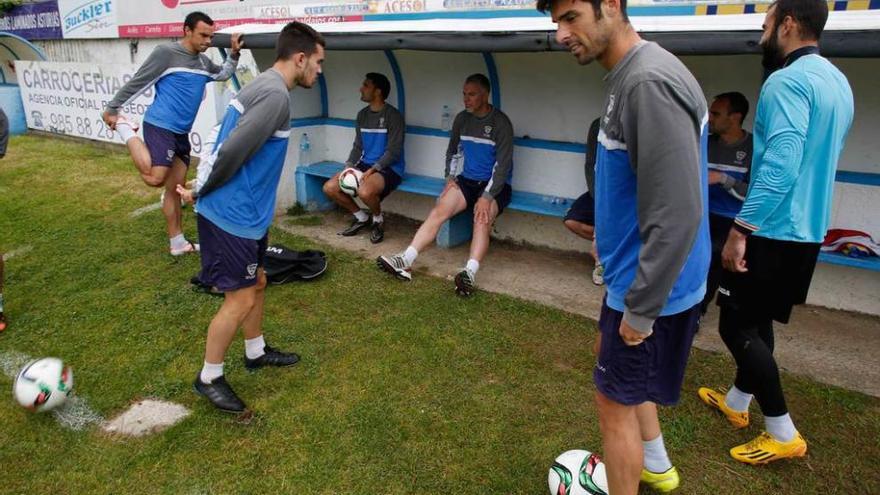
(446, 119)
(305, 151)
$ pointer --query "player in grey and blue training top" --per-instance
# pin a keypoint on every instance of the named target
(378, 153)
(179, 71)
(651, 216)
(479, 165)
(236, 205)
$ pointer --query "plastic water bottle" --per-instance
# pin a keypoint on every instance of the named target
(305, 151)
(446, 119)
(457, 163)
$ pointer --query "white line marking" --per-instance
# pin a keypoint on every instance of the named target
(17, 252)
(145, 209)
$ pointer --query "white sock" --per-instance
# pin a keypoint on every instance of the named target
(210, 372)
(656, 458)
(378, 218)
(473, 265)
(410, 255)
(178, 241)
(361, 216)
(738, 400)
(253, 348)
(125, 131)
(780, 427)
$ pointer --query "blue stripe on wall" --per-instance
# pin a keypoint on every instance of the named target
(494, 81)
(398, 81)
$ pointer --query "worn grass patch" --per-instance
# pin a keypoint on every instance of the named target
(403, 388)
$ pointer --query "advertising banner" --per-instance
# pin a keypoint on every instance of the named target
(90, 18)
(33, 21)
(68, 98)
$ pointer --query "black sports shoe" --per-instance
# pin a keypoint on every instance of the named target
(378, 232)
(219, 393)
(464, 283)
(272, 357)
(355, 227)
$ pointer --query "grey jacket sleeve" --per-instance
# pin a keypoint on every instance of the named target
(4, 133)
(454, 140)
(225, 71)
(663, 142)
(146, 76)
(357, 148)
(503, 158)
(394, 146)
(260, 120)
(736, 188)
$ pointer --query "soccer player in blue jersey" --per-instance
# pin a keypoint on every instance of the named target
(652, 226)
(378, 153)
(237, 203)
(179, 72)
(804, 113)
(481, 145)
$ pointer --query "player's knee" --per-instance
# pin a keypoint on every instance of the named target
(153, 181)
(330, 187)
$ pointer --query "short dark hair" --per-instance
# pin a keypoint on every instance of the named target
(381, 82)
(810, 15)
(480, 79)
(736, 103)
(297, 37)
(544, 5)
(194, 18)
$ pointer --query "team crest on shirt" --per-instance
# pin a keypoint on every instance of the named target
(740, 156)
(487, 131)
(382, 122)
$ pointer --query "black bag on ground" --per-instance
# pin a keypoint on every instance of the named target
(283, 264)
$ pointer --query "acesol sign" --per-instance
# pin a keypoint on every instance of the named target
(401, 6)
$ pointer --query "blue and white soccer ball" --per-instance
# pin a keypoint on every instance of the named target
(43, 384)
(578, 472)
(350, 180)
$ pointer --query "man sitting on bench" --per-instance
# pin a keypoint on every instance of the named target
(479, 163)
(377, 152)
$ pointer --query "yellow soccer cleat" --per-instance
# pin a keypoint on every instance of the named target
(765, 448)
(716, 400)
(663, 482)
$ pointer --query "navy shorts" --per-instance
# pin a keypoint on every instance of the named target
(583, 210)
(473, 190)
(164, 145)
(392, 180)
(652, 371)
(229, 262)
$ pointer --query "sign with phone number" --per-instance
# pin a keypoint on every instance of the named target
(68, 98)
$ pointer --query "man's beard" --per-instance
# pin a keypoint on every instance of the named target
(772, 56)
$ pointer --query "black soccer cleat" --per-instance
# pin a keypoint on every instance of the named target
(464, 283)
(378, 233)
(272, 357)
(355, 227)
(220, 394)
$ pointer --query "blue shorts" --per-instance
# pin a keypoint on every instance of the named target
(392, 180)
(164, 145)
(583, 210)
(229, 262)
(652, 371)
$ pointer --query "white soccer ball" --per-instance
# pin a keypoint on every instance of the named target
(43, 384)
(350, 181)
(577, 472)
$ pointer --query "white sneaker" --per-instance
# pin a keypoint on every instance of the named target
(396, 265)
(599, 274)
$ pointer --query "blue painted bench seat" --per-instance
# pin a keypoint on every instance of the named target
(871, 263)
(309, 192)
